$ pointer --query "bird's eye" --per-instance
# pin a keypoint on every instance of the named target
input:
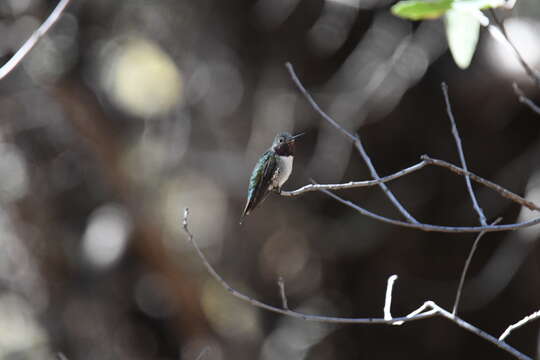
(280, 139)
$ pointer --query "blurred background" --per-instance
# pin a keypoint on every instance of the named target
(129, 111)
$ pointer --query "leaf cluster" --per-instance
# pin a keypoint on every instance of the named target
(462, 20)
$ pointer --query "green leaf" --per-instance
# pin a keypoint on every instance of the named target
(419, 10)
(432, 9)
(477, 4)
(462, 30)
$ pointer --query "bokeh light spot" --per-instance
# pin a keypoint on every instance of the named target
(140, 77)
(13, 174)
(228, 316)
(106, 236)
(19, 329)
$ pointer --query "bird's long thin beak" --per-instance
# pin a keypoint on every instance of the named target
(297, 136)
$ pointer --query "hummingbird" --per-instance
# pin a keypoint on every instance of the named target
(271, 171)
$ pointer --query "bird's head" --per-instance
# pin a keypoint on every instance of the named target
(284, 143)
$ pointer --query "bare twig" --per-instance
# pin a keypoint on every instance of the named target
(520, 323)
(533, 74)
(423, 308)
(426, 310)
(314, 104)
(430, 227)
(360, 147)
(203, 353)
(282, 294)
(388, 298)
(355, 184)
(467, 326)
(355, 140)
(466, 267)
(525, 100)
(499, 189)
(426, 160)
(33, 39)
(412, 223)
(288, 312)
(459, 147)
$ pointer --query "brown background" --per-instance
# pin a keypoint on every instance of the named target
(131, 110)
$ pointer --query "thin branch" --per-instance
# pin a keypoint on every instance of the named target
(426, 160)
(469, 327)
(33, 39)
(466, 267)
(525, 100)
(533, 74)
(354, 138)
(421, 313)
(385, 189)
(355, 184)
(203, 353)
(388, 297)
(314, 104)
(520, 323)
(288, 312)
(423, 308)
(459, 147)
(499, 189)
(430, 227)
(281, 285)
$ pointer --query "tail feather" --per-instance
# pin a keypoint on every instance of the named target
(251, 204)
(242, 217)
(246, 211)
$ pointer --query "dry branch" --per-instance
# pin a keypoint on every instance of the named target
(426, 160)
(411, 222)
(520, 323)
(388, 298)
(430, 227)
(33, 39)
(354, 139)
(466, 268)
(525, 100)
(499, 189)
(281, 285)
(360, 147)
(533, 74)
(426, 310)
(355, 184)
(459, 147)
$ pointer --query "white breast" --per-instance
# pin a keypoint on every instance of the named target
(285, 168)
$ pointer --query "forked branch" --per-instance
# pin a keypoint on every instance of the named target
(355, 139)
(411, 222)
(426, 160)
(520, 323)
(426, 310)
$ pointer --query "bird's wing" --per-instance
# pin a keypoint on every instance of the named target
(260, 180)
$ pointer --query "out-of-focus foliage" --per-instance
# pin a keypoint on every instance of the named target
(129, 111)
(462, 31)
(421, 10)
(426, 9)
(462, 19)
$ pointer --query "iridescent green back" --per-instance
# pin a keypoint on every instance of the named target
(260, 180)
